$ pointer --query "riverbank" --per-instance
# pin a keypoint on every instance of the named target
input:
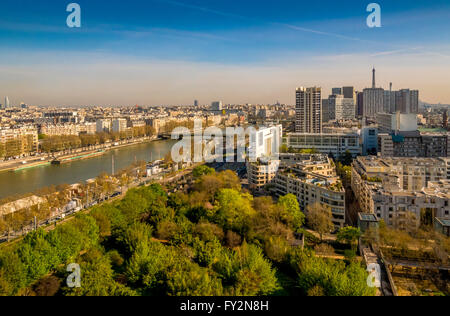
(52, 222)
(63, 157)
(41, 174)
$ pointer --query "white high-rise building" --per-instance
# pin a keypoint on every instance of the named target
(308, 110)
(7, 105)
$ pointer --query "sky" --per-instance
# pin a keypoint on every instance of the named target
(167, 52)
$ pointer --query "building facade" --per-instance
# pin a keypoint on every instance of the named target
(16, 142)
(413, 144)
(330, 143)
(308, 110)
(392, 187)
(311, 178)
(373, 101)
(119, 125)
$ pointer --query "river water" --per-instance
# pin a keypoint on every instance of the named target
(29, 180)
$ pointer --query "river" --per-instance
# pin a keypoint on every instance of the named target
(30, 180)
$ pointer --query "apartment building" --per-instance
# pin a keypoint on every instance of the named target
(391, 187)
(103, 125)
(119, 125)
(311, 178)
(308, 110)
(413, 144)
(18, 141)
(313, 181)
(261, 172)
(67, 129)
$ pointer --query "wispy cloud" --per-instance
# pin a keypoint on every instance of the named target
(204, 9)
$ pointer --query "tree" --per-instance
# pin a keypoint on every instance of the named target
(2, 150)
(346, 159)
(345, 172)
(284, 149)
(97, 278)
(290, 212)
(349, 235)
(319, 276)
(202, 170)
(319, 218)
(233, 210)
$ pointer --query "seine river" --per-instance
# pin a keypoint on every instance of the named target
(29, 180)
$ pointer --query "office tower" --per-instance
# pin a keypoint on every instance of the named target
(414, 101)
(308, 110)
(216, 106)
(373, 99)
(196, 103)
(344, 108)
(390, 100)
(328, 112)
(445, 119)
(349, 92)
(387, 101)
(7, 103)
(405, 101)
(408, 101)
(373, 102)
(360, 104)
(336, 91)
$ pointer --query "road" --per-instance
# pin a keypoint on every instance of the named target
(49, 224)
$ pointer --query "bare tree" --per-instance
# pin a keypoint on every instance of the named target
(319, 218)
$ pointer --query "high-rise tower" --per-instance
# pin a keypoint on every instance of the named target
(373, 79)
(373, 99)
(308, 110)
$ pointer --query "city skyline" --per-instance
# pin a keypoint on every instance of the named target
(172, 52)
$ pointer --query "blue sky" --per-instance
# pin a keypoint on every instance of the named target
(170, 52)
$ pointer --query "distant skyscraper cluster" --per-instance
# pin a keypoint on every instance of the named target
(216, 106)
(346, 104)
(376, 100)
(6, 105)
